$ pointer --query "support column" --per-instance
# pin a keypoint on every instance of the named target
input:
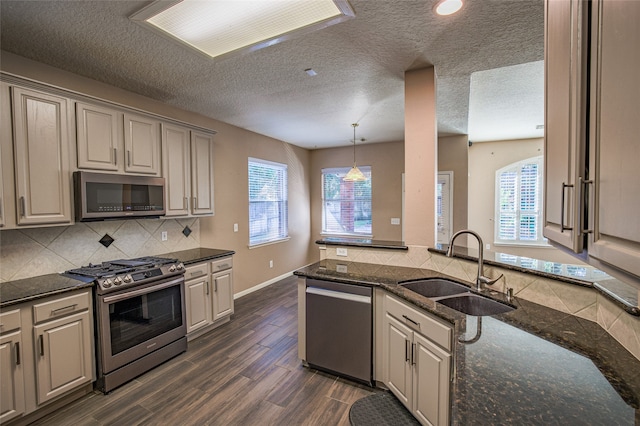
(420, 156)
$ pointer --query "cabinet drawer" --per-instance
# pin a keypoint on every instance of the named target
(195, 271)
(221, 265)
(9, 321)
(423, 323)
(61, 307)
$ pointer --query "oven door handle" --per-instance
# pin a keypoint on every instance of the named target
(129, 294)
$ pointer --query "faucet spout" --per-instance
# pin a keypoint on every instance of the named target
(480, 279)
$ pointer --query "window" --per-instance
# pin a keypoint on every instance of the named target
(444, 210)
(519, 203)
(267, 202)
(346, 206)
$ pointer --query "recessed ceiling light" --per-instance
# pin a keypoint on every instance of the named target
(220, 27)
(448, 7)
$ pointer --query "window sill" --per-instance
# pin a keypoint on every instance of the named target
(268, 243)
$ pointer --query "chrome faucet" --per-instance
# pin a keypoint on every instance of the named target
(481, 279)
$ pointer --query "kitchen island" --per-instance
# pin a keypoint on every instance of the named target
(533, 365)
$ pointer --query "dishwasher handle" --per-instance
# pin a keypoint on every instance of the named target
(339, 295)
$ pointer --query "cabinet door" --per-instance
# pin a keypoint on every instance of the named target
(431, 376)
(142, 144)
(565, 120)
(222, 294)
(64, 355)
(99, 137)
(6, 157)
(201, 173)
(175, 169)
(12, 383)
(615, 125)
(198, 303)
(43, 180)
(397, 359)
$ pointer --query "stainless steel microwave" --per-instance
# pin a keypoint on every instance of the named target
(100, 196)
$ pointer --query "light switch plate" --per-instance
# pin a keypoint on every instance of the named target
(163, 236)
(235, 227)
(395, 221)
(341, 251)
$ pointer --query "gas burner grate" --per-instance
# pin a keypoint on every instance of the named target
(120, 266)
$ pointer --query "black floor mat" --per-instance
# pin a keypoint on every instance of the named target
(380, 409)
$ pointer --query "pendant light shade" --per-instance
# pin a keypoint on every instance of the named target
(354, 175)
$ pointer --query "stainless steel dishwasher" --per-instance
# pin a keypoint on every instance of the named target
(339, 329)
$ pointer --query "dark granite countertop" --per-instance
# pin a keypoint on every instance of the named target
(24, 290)
(533, 365)
(362, 242)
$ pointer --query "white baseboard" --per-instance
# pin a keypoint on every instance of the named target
(262, 285)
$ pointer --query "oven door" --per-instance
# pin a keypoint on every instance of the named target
(137, 321)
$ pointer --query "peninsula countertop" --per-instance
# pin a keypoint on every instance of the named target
(533, 365)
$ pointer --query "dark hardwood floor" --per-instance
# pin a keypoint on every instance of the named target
(246, 372)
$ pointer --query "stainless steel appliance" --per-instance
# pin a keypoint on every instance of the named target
(100, 196)
(139, 316)
(339, 330)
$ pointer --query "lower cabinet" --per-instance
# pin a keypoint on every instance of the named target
(208, 295)
(417, 361)
(46, 352)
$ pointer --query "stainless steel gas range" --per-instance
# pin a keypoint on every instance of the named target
(139, 316)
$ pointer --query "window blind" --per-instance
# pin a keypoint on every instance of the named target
(268, 209)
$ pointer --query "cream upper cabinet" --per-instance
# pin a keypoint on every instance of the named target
(141, 144)
(614, 150)
(99, 136)
(41, 151)
(202, 173)
(187, 164)
(176, 169)
(12, 401)
(566, 51)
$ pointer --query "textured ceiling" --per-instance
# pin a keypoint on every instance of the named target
(360, 63)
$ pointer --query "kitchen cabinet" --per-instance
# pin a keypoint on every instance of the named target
(208, 295)
(141, 144)
(46, 353)
(591, 168)
(41, 153)
(187, 162)
(100, 137)
(11, 361)
(417, 360)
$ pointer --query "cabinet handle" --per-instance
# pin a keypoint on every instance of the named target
(562, 227)
(128, 158)
(0, 208)
(207, 287)
(17, 353)
(22, 206)
(115, 156)
(413, 354)
(195, 203)
(41, 339)
(215, 286)
(406, 350)
(586, 191)
(196, 274)
(185, 203)
(60, 310)
(411, 321)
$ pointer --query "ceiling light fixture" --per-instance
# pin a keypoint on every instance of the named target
(447, 7)
(222, 27)
(354, 175)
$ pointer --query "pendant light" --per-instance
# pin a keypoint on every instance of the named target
(354, 175)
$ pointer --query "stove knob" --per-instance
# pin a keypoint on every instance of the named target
(172, 268)
(180, 266)
(106, 283)
(128, 279)
(117, 281)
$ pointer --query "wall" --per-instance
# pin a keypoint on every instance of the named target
(484, 159)
(453, 156)
(232, 147)
(387, 165)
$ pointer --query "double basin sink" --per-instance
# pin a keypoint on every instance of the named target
(457, 296)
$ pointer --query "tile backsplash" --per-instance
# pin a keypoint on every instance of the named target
(37, 251)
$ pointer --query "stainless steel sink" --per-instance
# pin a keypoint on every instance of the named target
(476, 305)
(435, 287)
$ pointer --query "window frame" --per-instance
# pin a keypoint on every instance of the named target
(282, 234)
(343, 171)
(517, 166)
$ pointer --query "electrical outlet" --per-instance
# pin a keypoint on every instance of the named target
(341, 268)
(341, 251)
(235, 227)
(487, 246)
(395, 221)
(271, 264)
(164, 236)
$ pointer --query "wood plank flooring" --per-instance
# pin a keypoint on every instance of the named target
(246, 372)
